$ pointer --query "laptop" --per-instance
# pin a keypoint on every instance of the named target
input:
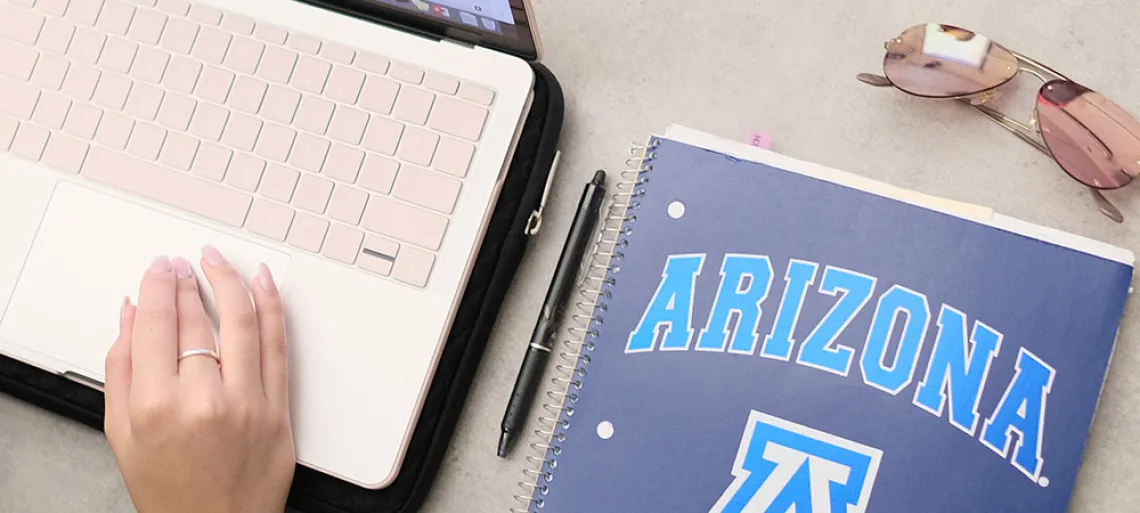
(356, 147)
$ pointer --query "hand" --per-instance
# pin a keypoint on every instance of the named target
(193, 436)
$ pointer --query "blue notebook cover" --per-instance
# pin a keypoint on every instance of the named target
(775, 343)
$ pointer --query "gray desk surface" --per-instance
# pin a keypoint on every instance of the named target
(723, 66)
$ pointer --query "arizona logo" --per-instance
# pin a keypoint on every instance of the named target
(782, 466)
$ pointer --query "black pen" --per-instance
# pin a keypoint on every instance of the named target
(542, 340)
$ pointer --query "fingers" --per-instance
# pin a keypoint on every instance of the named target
(154, 340)
(197, 372)
(117, 390)
(271, 323)
(240, 342)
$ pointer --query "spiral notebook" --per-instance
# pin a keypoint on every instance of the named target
(772, 336)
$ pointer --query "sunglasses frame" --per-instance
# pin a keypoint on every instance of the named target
(1029, 132)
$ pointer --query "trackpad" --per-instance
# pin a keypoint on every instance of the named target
(92, 250)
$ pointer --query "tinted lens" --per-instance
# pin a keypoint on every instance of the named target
(941, 61)
(1093, 139)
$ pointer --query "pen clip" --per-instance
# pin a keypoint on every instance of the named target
(534, 224)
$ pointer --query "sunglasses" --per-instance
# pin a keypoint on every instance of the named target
(1094, 141)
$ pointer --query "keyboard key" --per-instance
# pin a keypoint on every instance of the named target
(112, 91)
(17, 99)
(309, 153)
(238, 24)
(427, 189)
(275, 142)
(50, 72)
(453, 157)
(175, 7)
(303, 44)
(343, 163)
(82, 121)
(383, 135)
(52, 7)
(177, 111)
(457, 118)
(337, 53)
(65, 153)
(30, 141)
(378, 174)
(347, 204)
(379, 95)
(178, 151)
(344, 85)
(280, 104)
(277, 65)
(146, 141)
(56, 36)
(270, 34)
(211, 45)
(209, 121)
(404, 222)
(205, 15)
(378, 254)
(114, 130)
(413, 266)
(308, 232)
(312, 194)
(147, 26)
(179, 35)
(51, 110)
(313, 114)
(214, 85)
(212, 162)
(348, 125)
(413, 105)
(18, 61)
(244, 55)
(118, 55)
(247, 94)
(180, 190)
(80, 81)
(343, 243)
(441, 83)
(311, 75)
(245, 172)
(20, 25)
(406, 73)
(373, 63)
(8, 127)
(269, 219)
(144, 101)
(418, 146)
(84, 12)
(278, 184)
(150, 66)
(241, 132)
(474, 93)
(182, 75)
(115, 17)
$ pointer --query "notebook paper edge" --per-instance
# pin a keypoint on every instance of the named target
(964, 210)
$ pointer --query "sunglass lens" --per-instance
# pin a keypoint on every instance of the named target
(1092, 138)
(941, 61)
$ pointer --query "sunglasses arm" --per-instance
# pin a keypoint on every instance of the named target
(1026, 134)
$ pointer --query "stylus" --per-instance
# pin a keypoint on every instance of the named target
(542, 340)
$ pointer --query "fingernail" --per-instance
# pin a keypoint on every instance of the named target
(212, 256)
(123, 308)
(265, 278)
(182, 268)
(161, 264)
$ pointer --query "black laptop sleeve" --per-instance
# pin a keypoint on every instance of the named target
(503, 248)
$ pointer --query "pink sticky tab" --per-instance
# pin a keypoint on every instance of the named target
(760, 139)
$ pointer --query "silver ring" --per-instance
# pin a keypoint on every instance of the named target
(200, 352)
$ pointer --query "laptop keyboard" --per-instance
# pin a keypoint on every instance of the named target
(331, 150)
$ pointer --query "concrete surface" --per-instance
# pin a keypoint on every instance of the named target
(632, 67)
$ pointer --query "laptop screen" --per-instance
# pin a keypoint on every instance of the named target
(499, 24)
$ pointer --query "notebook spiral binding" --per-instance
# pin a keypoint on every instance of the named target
(601, 269)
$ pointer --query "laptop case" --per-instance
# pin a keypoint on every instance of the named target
(503, 248)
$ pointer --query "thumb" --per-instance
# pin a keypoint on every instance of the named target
(117, 390)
